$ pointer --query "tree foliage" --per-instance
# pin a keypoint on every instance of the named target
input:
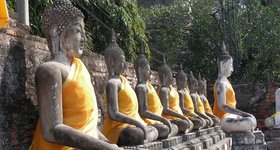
(101, 17)
(257, 28)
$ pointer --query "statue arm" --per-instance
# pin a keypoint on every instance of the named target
(112, 90)
(182, 106)
(221, 97)
(196, 109)
(49, 93)
(164, 101)
(141, 92)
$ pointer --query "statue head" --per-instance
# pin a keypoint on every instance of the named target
(181, 78)
(142, 68)
(225, 63)
(192, 83)
(202, 83)
(114, 57)
(63, 26)
(165, 73)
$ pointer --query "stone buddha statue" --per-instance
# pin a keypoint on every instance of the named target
(274, 120)
(123, 124)
(68, 112)
(232, 119)
(150, 107)
(170, 100)
(186, 103)
(202, 87)
(198, 104)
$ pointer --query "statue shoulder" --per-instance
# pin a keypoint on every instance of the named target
(114, 82)
(48, 69)
(221, 84)
(141, 86)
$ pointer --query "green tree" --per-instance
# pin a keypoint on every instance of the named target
(257, 28)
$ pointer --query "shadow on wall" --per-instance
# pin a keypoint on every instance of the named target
(17, 113)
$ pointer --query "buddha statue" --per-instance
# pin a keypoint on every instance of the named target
(150, 107)
(232, 119)
(274, 120)
(170, 100)
(68, 112)
(202, 87)
(123, 124)
(186, 103)
(198, 104)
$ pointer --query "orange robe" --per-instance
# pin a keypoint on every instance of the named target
(200, 106)
(188, 102)
(174, 104)
(128, 105)
(4, 16)
(230, 101)
(78, 104)
(207, 106)
(154, 105)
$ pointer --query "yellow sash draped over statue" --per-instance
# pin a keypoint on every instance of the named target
(200, 106)
(128, 105)
(154, 105)
(173, 103)
(207, 106)
(4, 16)
(230, 101)
(79, 107)
(188, 103)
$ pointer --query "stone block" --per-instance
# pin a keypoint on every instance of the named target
(222, 135)
(194, 144)
(172, 141)
(250, 147)
(206, 141)
(259, 137)
(202, 132)
(274, 134)
(215, 138)
(245, 138)
(273, 145)
(189, 136)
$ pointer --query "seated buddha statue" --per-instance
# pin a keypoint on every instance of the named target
(186, 103)
(202, 83)
(123, 124)
(150, 107)
(232, 119)
(170, 100)
(198, 104)
(274, 120)
(68, 112)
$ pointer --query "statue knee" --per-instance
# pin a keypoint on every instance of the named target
(197, 123)
(163, 130)
(131, 136)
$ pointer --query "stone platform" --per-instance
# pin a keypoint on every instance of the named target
(248, 140)
(205, 139)
(272, 137)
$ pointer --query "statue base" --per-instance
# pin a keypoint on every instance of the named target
(247, 140)
(212, 138)
(273, 139)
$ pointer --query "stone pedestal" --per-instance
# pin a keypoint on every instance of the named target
(211, 139)
(247, 140)
(273, 139)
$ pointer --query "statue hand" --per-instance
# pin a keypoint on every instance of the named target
(146, 140)
(168, 123)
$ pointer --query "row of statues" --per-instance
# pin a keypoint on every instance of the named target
(68, 108)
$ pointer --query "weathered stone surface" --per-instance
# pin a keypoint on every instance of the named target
(172, 141)
(239, 138)
(259, 137)
(273, 145)
(189, 136)
(250, 147)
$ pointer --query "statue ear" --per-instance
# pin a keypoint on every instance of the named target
(54, 40)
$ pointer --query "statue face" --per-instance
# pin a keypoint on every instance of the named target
(120, 64)
(168, 78)
(182, 82)
(73, 38)
(227, 67)
(145, 72)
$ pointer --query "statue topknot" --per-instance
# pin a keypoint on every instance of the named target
(224, 56)
(59, 15)
(163, 69)
(111, 53)
(181, 74)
